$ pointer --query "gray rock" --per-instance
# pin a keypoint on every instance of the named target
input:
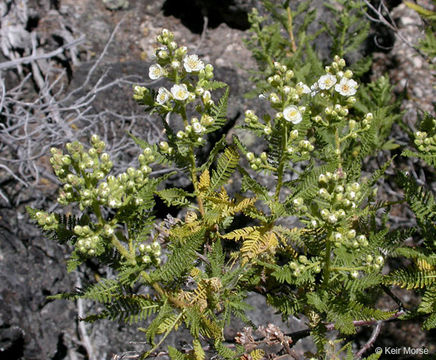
(31, 325)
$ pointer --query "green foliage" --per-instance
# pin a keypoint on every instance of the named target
(319, 127)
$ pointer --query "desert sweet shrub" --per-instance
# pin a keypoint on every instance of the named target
(312, 141)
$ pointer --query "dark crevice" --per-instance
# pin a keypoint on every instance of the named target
(11, 343)
(54, 4)
(61, 349)
(32, 23)
(192, 13)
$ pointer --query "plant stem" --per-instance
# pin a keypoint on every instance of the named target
(131, 258)
(122, 250)
(290, 30)
(338, 148)
(281, 167)
(326, 271)
(145, 355)
(195, 181)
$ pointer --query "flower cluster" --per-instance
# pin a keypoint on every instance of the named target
(193, 83)
(286, 97)
(336, 89)
(174, 63)
(150, 253)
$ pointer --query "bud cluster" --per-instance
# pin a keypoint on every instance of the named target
(150, 253)
(298, 147)
(302, 265)
(89, 241)
(80, 170)
(258, 163)
(349, 238)
(193, 131)
(425, 142)
(46, 221)
(374, 263)
(339, 196)
(83, 172)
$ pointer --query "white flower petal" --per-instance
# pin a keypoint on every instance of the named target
(163, 96)
(325, 82)
(180, 92)
(155, 72)
(192, 63)
(346, 87)
(292, 114)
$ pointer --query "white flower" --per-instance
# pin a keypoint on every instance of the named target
(180, 92)
(346, 87)
(198, 128)
(303, 88)
(325, 82)
(292, 114)
(162, 96)
(192, 63)
(155, 72)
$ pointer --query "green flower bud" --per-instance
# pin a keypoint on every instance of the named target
(324, 193)
(351, 234)
(298, 202)
(293, 265)
(379, 260)
(289, 75)
(324, 213)
(323, 179)
(332, 219)
(108, 230)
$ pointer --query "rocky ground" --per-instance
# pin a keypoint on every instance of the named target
(116, 48)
